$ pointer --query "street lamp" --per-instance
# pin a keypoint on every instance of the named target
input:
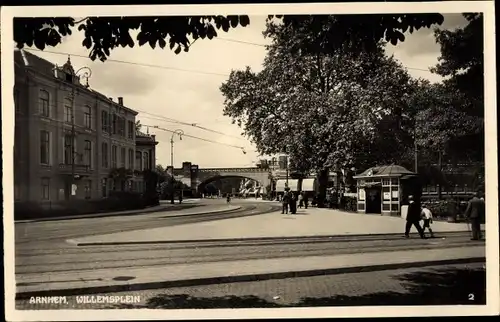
(180, 133)
(86, 74)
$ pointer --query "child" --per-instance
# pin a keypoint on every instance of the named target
(427, 217)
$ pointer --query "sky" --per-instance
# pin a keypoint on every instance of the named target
(195, 97)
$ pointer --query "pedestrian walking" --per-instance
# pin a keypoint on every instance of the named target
(285, 201)
(228, 199)
(293, 203)
(475, 214)
(427, 217)
(413, 218)
(301, 200)
(306, 200)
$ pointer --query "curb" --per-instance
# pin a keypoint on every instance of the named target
(215, 212)
(241, 278)
(302, 239)
(222, 211)
(111, 214)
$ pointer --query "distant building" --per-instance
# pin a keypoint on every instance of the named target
(69, 136)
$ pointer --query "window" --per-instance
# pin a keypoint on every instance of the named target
(138, 160)
(105, 154)
(123, 156)
(104, 187)
(88, 189)
(45, 189)
(43, 104)
(17, 193)
(16, 101)
(44, 147)
(69, 78)
(105, 121)
(131, 159)
(146, 160)
(113, 156)
(68, 149)
(68, 110)
(113, 124)
(131, 131)
(87, 153)
(87, 114)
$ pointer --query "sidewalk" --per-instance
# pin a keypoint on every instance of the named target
(117, 280)
(306, 223)
(162, 207)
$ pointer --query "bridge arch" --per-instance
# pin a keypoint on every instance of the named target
(206, 176)
(202, 184)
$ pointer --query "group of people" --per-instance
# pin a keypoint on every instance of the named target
(290, 199)
(474, 214)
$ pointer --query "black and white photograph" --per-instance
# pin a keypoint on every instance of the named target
(248, 160)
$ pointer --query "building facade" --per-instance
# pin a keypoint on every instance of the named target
(69, 139)
(145, 158)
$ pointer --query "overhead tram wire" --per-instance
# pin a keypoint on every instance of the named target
(168, 119)
(263, 45)
(131, 63)
(195, 137)
(181, 69)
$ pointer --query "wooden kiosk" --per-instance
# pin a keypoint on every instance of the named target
(384, 189)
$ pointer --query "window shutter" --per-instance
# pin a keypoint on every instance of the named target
(92, 154)
(62, 149)
(51, 149)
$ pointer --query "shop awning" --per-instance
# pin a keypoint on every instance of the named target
(371, 184)
(281, 184)
(308, 184)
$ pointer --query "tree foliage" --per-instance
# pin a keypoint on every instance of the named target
(103, 34)
(356, 33)
(462, 108)
(329, 110)
(462, 57)
(318, 32)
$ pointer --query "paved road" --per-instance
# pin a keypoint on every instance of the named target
(438, 285)
(70, 258)
(29, 233)
(42, 246)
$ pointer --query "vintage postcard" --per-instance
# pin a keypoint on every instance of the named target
(250, 161)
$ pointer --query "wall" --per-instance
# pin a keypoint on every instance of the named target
(28, 172)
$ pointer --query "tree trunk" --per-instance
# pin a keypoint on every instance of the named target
(322, 185)
(440, 167)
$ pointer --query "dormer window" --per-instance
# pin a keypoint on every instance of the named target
(69, 78)
(68, 70)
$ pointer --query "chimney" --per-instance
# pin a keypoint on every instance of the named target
(120, 100)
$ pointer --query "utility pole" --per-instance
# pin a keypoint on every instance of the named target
(180, 133)
(73, 138)
(440, 167)
(172, 190)
(286, 165)
(415, 146)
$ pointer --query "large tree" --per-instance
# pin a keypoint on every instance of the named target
(462, 64)
(324, 109)
(324, 32)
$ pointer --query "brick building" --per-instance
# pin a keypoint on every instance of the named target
(68, 135)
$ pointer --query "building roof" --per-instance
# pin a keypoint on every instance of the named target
(28, 60)
(385, 171)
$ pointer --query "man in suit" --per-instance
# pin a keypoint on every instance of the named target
(413, 218)
(475, 214)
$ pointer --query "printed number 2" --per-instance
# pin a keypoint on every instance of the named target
(471, 297)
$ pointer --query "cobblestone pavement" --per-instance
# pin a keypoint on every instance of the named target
(437, 285)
